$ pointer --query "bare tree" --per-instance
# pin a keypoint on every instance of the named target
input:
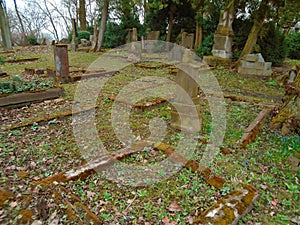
(24, 36)
(45, 9)
(62, 16)
(5, 33)
(82, 14)
(102, 28)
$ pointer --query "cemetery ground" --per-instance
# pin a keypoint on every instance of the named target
(34, 151)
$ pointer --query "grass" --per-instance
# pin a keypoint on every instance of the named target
(41, 150)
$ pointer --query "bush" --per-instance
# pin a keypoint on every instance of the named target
(206, 47)
(1, 60)
(32, 40)
(273, 44)
(114, 35)
(83, 35)
(293, 45)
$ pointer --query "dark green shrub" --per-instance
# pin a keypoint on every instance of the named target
(272, 44)
(32, 40)
(83, 35)
(241, 27)
(114, 35)
(1, 60)
(293, 45)
(206, 47)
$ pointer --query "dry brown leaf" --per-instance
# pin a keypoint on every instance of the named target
(167, 221)
(175, 207)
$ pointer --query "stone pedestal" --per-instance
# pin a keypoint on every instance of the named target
(186, 115)
(222, 46)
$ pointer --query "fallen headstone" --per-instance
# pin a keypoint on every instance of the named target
(231, 208)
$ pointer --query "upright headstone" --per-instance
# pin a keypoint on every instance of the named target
(135, 47)
(74, 43)
(61, 60)
(186, 115)
(223, 37)
(151, 37)
(187, 40)
(131, 35)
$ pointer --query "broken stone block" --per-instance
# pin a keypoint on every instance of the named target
(254, 64)
(217, 61)
(231, 208)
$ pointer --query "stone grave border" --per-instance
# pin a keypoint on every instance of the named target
(21, 60)
(24, 98)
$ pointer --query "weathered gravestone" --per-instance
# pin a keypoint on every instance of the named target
(187, 40)
(254, 64)
(186, 115)
(149, 41)
(176, 53)
(135, 50)
(61, 60)
(131, 35)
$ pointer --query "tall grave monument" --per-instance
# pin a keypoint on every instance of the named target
(223, 38)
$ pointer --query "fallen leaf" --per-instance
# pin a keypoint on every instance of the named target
(37, 222)
(13, 204)
(167, 221)
(295, 220)
(175, 207)
(90, 194)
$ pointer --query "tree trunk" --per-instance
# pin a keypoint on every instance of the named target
(5, 34)
(145, 6)
(82, 15)
(199, 35)
(171, 21)
(256, 28)
(24, 37)
(102, 25)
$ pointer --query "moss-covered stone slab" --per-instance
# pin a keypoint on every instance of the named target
(102, 161)
(194, 166)
(254, 128)
(217, 61)
(25, 98)
(75, 210)
(91, 75)
(231, 208)
(21, 60)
